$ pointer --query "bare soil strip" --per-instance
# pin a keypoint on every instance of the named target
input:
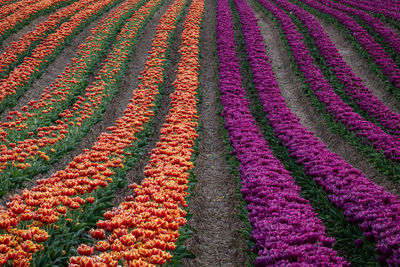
(16, 36)
(359, 65)
(213, 205)
(115, 108)
(302, 107)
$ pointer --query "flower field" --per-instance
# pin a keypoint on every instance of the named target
(199, 133)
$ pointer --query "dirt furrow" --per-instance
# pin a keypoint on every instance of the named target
(115, 108)
(17, 35)
(301, 105)
(213, 205)
(359, 65)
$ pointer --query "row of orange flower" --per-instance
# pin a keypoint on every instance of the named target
(51, 141)
(144, 228)
(27, 216)
(21, 75)
(23, 124)
(16, 49)
(24, 13)
(12, 7)
(6, 2)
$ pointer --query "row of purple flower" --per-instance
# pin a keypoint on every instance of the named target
(284, 225)
(377, 25)
(376, 7)
(368, 205)
(380, 56)
(353, 85)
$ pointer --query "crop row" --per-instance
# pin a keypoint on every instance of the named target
(376, 7)
(54, 201)
(364, 203)
(26, 14)
(20, 78)
(45, 143)
(145, 226)
(284, 225)
(16, 51)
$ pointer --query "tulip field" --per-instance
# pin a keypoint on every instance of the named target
(199, 133)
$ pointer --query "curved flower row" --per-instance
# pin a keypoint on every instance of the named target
(57, 197)
(146, 225)
(366, 131)
(6, 2)
(10, 21)
(53, 141)
(16, 50)
(43, 112)
(30, 155)
(353, 85)
(370, 206)
(380, 56)
(285, 227)
(372, 8)
(5, 10)
(386, 4)
(389, 36)
(21, 75)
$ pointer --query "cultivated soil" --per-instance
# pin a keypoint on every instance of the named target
(213, 205)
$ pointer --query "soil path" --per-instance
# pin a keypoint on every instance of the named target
(17, 35)
(55, 68)
(359, 65)
(213, 205)
(299, 104)
(115, 108)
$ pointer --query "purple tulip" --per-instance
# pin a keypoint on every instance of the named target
(370, 206)
(285, 227)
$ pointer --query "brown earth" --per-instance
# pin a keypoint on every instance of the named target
(213, 204)
(302, 107)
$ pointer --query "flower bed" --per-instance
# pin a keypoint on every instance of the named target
(145, 226)
(372, 208)
(273, 198)
(19, 79)
(16, 51)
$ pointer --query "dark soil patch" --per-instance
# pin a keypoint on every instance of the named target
(301, 105)
(214, 202)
